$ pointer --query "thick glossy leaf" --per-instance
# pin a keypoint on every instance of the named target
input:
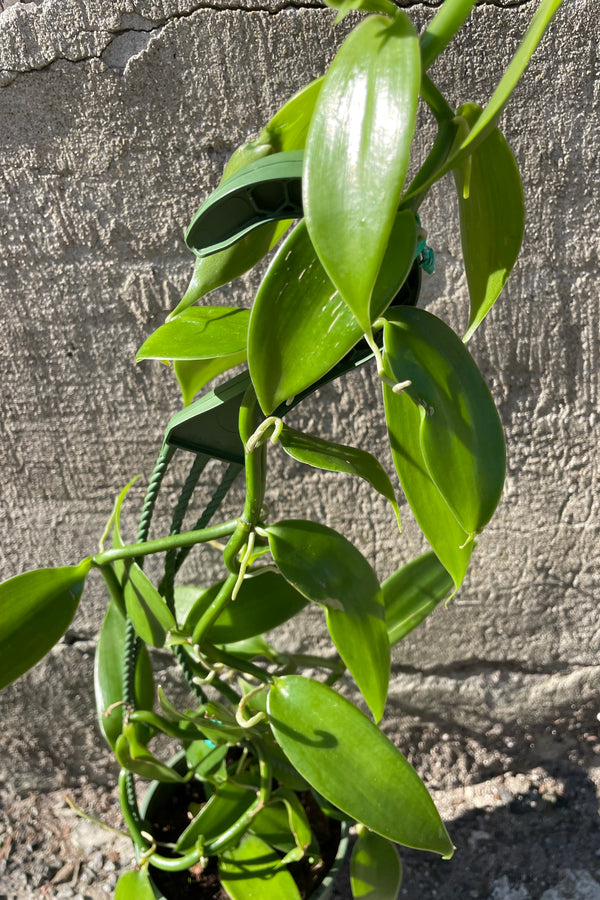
(299, 325)
(135, 886)
(283, 823)
(211, 272)
(135, 757)
(120, 566)
(207, 761)
(437, 522)
(288, 128)
(442, 28)
(222, 810)
(492, 218)
(325, 567)
(108, 675)
(412, 592)
(263, 602)
(201, 332)
(460, 431)
(375, 868)
(249, 872)
(147, 610)
(357, 154)
(322, 454)
(345, 757)
(195, 374)
(36, 608)
(489, 117)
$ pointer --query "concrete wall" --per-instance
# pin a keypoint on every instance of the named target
(116, 117)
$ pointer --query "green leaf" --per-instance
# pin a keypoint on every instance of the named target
(120, 566)
(345, 757)
(148, 611)
(201, 332)
(299, 325)
(263, 602)
(338, 458)
(437, 522)
(442, 28)
(283, 823)
(135, 886)
(206, 761)
(211, 272)
(412, 592)
(36, 608)
(228, 803)
(288, 128)
(375, 868)
(251, 648)
(194, 374)
(460, 430)
(325, 567)
(492, 218)
(357, 154)
(250, 871)
(135, 757)
(488, 119)
(108, 675)
(385, 7)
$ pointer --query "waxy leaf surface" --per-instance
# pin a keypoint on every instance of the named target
(288, 128)
(211, 272)
(488, 119)
(325, 567)
(194, 374)
(36, 608)
(263, 602)
(201, 332)
(134, 756)
(249, 872)
(345, 757)
(283, 823)
(357, 154)
(375, 868)
(108, 674)
(149, 614)
(492, 217)
(412, 592)
(229, 801)
(460, 431)
(299, 325)
(436, 520)
(135, 885)
(331, 457)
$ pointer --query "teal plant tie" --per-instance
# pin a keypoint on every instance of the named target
(424, 253)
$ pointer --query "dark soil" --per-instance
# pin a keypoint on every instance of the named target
(203, 884)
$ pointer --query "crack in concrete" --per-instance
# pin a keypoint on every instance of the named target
(7, 76)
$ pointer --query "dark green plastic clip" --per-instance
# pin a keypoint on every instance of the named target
(264, 191)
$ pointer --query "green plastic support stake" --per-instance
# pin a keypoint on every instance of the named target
(264, 191)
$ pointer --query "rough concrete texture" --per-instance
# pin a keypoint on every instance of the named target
(116, 117)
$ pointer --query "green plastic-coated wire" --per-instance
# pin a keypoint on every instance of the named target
(167, 585)
(132, 642)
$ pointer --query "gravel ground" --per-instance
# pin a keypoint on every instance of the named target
(521, 807)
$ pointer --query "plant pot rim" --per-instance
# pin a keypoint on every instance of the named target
(322, 892)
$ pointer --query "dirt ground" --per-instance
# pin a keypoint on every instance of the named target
(521, 807)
